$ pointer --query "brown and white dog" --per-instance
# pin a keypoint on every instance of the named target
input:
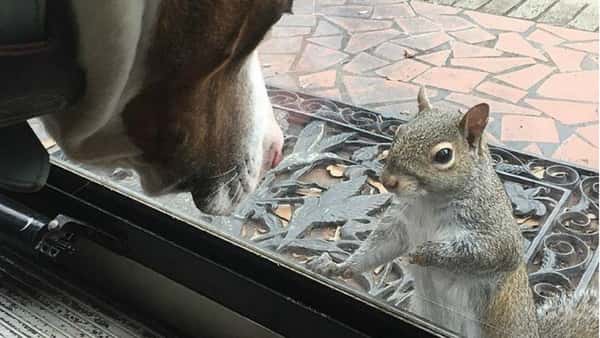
(174, 90)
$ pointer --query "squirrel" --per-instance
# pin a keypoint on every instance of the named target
(454, 224)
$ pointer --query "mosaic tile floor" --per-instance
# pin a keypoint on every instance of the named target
(541, 81)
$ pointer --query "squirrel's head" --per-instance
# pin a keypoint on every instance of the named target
(437, 151)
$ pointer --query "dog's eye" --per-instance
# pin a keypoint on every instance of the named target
(443, 156)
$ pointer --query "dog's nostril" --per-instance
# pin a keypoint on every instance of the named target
(389, 181)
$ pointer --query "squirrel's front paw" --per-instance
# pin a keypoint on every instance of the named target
(324, 265)
(425, 253)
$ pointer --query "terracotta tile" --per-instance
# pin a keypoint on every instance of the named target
(474, 35)
(417, 25)
(305, 20)
(364, 62)
(325, 28)
(494, 64)
(392, 51)
(435, 58)
(499, 22)
(281, 45)
(352, 25)
(566, 112)
(283, 31)
(274, 64)
(565, 59)
(529, 129)
(348, 10)
(427, 9)
(333, 94)
(451, 22)
(455, 79)
(324, 79)
(579, 86)
(284, 81)
(534, 149)
(425, 41)
(463, 50)
(544, 38)
(590, 47)
(500, 91)
(303, 7)
(496, 107)
(316, 58)
(362, 41)
(366, 90)
(403, 70)
(590, 133)
(515, 43)
(393, 11)
(492, 139)
(576, 150)
(569, 34)
(527, 77)
(333, 42)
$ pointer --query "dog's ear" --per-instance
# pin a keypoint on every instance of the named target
(262, 15)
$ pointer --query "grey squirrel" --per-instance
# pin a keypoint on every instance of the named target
(454, 224)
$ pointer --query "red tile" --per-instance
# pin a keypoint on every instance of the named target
(364, 62)
(527, 77)
(366, 90)
(361, 41)
(516, 44)
(496, 107)
(424, 42)
(333, 42)
(281, 45)
(353, 25)
(316, 58)
(534, 149)
(403, 70)
(492, 139)
(590, 133)
(569, 34)
(348, 10)
(578, 86)
(298, 20)
(565, 59)
(565, 111)
(590, 47)
(503, 92)
(285, 81)
(451, 22)
(576, 150)
(333, 94)
(278, 32)
(544, 38)
(427, 9)
(392, 11)
(435, 58)
(417, 25)
(324, 79)
(463, 50)
(455, 79)
(529, 129)
(274, 64)
(500, 22)
(325, 28)
(392, 51)
(493, 65)
(474, 35)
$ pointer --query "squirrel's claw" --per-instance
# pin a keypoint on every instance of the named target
(324, 265)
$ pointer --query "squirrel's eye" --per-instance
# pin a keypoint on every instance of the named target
(443, 156)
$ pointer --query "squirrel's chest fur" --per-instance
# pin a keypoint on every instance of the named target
(450, 299)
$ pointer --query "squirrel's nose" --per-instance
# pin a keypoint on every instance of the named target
(390, 182)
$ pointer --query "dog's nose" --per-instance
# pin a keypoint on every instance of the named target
(390, 182)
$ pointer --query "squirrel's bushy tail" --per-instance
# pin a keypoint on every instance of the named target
(569, 316)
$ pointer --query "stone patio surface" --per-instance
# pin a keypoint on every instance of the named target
(541, 81)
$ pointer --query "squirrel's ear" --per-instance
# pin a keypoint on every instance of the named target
(422, 100)
(474, 122)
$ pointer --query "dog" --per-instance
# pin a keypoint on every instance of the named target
(174, 91)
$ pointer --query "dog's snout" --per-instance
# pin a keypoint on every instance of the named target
(389, 181)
